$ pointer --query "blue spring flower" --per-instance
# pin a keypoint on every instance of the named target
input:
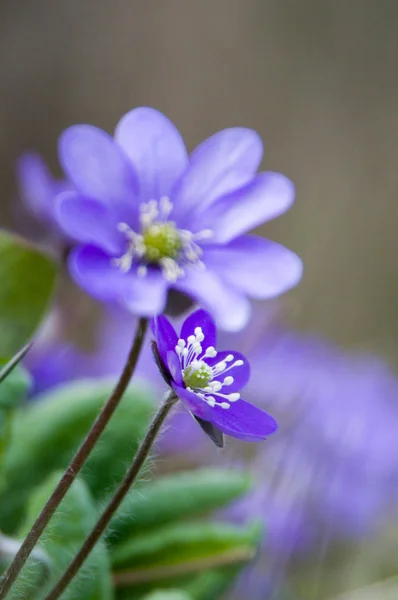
(148, 217)
(208, 382)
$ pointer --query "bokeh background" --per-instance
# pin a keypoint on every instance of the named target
(318, 80)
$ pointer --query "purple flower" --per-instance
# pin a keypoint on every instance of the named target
(39, 189)
(207, 381)
(149, 217)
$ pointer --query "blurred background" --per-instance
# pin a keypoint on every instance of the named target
(317, 80)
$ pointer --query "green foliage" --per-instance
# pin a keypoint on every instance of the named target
(71, 523)
(181, 560)
(186, 544)
(27, 279)
(13, 390)
(201, 558)
(6, 367)
(177, 496)
(48, 432)
(168, 595)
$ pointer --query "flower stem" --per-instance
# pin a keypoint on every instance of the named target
(76, 464)
(116, 500)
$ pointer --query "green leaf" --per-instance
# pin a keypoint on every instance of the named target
(196, 557)
(207, 585)
(13, 390)
(15, 360)
(48, 432)
(213, 583)
(27, 279)
(187, 544)
(64, 535)
(168, 595)
(177, 496)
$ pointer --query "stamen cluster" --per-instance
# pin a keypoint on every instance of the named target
(160, 242)
(199, 376)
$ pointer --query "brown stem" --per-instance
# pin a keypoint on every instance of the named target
(116, 500)
(76, 464)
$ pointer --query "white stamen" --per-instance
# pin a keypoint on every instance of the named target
(228, 380)
(171, 269)
(211, 352)
(229, 358)
(153, 215)
(142, 271)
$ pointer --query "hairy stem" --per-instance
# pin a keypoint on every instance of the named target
(116, 500)
(76, 464)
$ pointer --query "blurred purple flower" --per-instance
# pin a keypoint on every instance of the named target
(53, 361)
(38, 190)
(207, 381)
(149, 217)
(331, 472)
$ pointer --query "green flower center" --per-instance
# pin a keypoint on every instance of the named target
(161, 240)
(197, 375)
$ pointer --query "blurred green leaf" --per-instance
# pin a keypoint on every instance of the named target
(10, 365)
(200, 558)
(27, 279)
(211, 584)
(168, 595)
(177, 496)
(48, 432)
(64, 535)
(187, 544)
(14, 388)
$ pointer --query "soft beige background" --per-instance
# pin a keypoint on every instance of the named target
(318, 79)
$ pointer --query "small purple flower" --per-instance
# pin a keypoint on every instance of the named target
(148, 217)
(207, 381)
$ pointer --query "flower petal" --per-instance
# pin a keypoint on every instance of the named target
(200, 318)
(193, 402)
(92, 269)
(222, 163)
(230, 308)
(240, 373)
(266, 197)
(145, 296)
(165, 335)
(89, 222)
(156, 149)
(97, 166)
(244, 421)
(255, 266)
(36, 185)
(174, 365)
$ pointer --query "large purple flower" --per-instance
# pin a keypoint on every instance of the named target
(208, 382)
(149, 217)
